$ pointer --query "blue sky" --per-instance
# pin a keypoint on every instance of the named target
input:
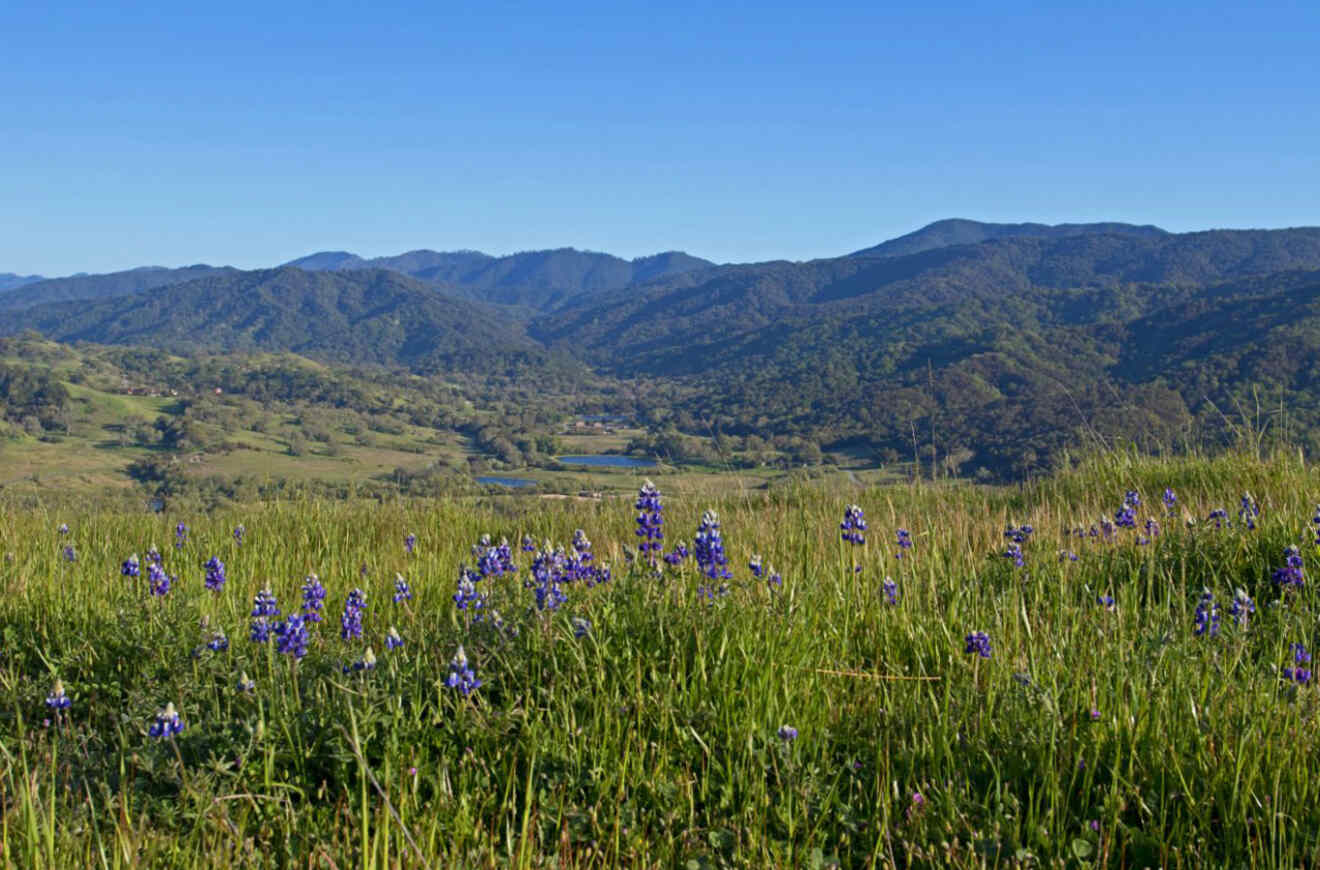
(250, 134)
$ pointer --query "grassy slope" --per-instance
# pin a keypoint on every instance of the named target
(652, 739)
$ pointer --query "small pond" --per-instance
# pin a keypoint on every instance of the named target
(507, 481)
(607, 460)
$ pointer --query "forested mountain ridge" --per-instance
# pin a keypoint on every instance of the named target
(369, 316)
(535, 279)
(958, 231)
(10, 281)
(83, 287)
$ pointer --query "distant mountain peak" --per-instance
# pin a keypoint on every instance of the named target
(962, 231)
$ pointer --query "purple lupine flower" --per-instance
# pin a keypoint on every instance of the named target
(1067, 556)
(1315, 521)
(1095, 715)
(1014, 551)
(167, 724)
(1106, 601)
(977, 643)
(313, 594)
(854, 523)
(215, 574)
(245, 684)
(787, 733)
(491, 560)
(218, 642)
(410, 543)
(754, 565)
(467, 597)
(401, 590)
(1220, 516)
(679, 553)
(180, 535)
(1301, 657)
(1170, 500)
(239, 531)
(158, 581)
(528, 545)
(154, 556)
(264, 609)
(392, 639)
(709, 548)
(581, 627)
(891, 590)
(63, 529)
(547, 576)
(461, 676)
(1242, 608)
(58, 699)
(291, 636)
(366, 663)
(1152, 532)
(650, 522)
(1126, 516)
(1249, 511)
(132, 567)
(1291, 572)
(1019, 534)
(70, 554)
(776, 580)
(904, 543)
(350, 623)
(1207, 615)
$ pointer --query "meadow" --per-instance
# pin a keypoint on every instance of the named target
(1087, 669)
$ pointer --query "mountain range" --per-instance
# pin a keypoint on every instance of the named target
(1008, 342)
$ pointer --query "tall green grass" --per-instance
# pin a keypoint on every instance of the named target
(652, 740)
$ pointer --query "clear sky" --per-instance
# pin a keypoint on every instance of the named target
(250, 133)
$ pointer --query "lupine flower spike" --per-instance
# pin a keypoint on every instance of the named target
(58, 700)
(313, 594)
(1170, 500)
(180, 535)
(854, 523)
(239, 531)
(1207, 615)
(787, 733)
(1291, 572)
(977, 643)
(1298, 673)
(1249, 511)
(264, 609)
(891, 590)
(366, 663)
(215, 574)
(401, 590)
(167, 723)
(650, 522)
(392, 639)
(292, 634)
(132, 567)
(245, 684)
(159, 582)
(1242, 608)
(350, 623)
(904, 543)
(461, 676)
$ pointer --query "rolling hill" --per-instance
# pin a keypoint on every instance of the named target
(370, 316)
